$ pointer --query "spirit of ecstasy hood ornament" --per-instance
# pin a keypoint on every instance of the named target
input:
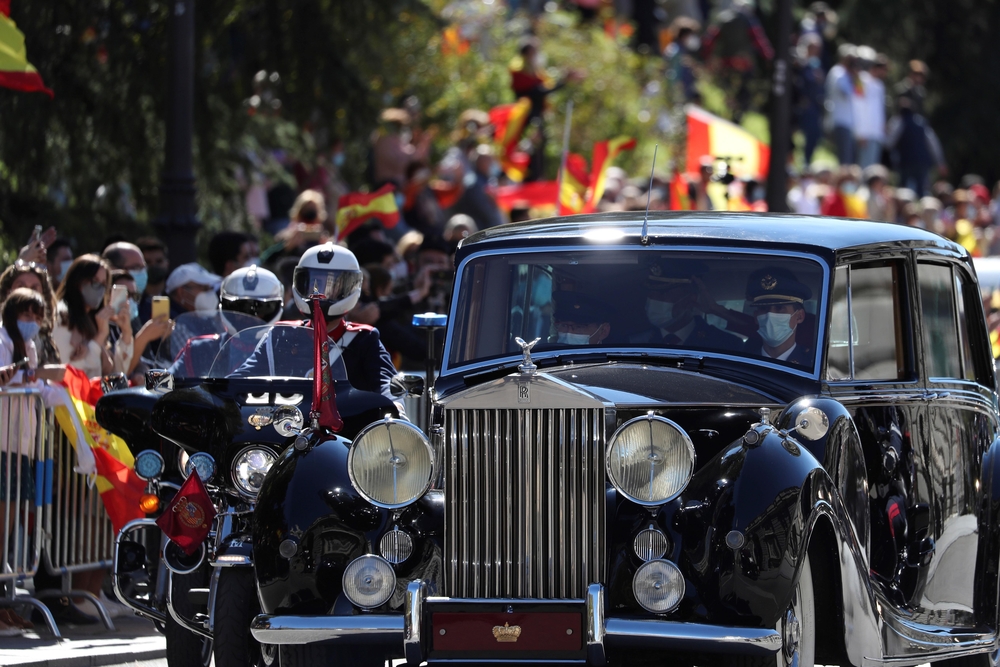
(527, 367)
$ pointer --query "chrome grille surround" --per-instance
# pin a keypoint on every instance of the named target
(514, 530)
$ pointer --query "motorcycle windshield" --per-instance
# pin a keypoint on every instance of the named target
(197, 338)
(268, 352)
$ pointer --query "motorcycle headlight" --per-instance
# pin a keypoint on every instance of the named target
(650, 460)
(390, 463)
(250, 466)
(200, 461)
(148, 464)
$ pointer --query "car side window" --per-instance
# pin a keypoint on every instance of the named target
(865, 341)
(942, 345)
(968, 363)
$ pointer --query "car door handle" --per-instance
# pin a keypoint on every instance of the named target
(930, 396)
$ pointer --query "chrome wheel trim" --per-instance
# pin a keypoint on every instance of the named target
(798, 625)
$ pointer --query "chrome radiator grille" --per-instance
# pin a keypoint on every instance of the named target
(525, 500)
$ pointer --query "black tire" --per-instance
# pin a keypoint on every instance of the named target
(314, 655)
(185, 648)
(235, 607)
(990, 659)
(803, 609)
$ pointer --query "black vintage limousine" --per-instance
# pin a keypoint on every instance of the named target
(739, 439)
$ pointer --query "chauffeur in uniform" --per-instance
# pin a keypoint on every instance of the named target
(778, 302)
(671, 298)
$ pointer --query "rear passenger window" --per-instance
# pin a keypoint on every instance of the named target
(865, 340)
(942, 344)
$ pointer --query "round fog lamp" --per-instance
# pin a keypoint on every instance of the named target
(369, 582)
(148, 464)
(658, 586)
(396, 546)
(249, 468)
(203, 463)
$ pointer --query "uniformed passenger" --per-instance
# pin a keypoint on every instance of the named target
(777, 299)
(580, 319)
(672, 294)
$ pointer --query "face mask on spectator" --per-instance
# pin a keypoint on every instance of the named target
(141, 277)
(28, 329)
(93, 295)
(206, 302)
(133, 309)
(63, 268)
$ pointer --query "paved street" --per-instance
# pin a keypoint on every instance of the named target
(134, 639)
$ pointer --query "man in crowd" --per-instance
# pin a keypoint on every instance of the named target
(840, 89)
(228, 251)
(192, 289)
(58, 257)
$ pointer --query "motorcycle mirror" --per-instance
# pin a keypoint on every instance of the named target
(287, 420)
(812, 423)
(159, 380)
(114, 382)
(405, 385)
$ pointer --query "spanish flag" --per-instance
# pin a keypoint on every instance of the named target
(119, 486)
(15, 70)
(575, 181)
(355, 208)
(509, 121)
(680, 198)
(717, 137)
(605, 153)
(538, 194)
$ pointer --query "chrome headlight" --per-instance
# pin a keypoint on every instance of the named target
(148, 464)
(650, 460)
(390, 463)
(250, 466)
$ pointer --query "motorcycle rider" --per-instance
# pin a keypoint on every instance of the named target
(332, 272)
(251, 291)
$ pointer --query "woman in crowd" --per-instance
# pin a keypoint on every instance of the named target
(84, 335)
(34, 277)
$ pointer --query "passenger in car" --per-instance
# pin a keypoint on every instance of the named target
(778, 302)
(671, 301)
(580, 319)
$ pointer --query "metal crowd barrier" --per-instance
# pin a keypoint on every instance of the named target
(51, 516)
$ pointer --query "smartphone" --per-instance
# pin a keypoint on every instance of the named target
(22, 363)
(35, 235)
(119, 295)
(161, 306)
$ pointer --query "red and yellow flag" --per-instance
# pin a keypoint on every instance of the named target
(509, 121)
(188, 518)
(575, 181)
(537, 194)
(119, 486)
(604, 156)
(356, 208)
(710, 135)
(15, 70)
(680, 197)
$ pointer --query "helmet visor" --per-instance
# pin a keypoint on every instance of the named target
(326, 284)
(263, 310)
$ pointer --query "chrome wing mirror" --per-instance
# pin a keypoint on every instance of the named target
(812, 424)
(287, 420)
(405, 385)
(159, 380)
(114, 382)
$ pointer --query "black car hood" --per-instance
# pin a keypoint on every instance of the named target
(640, 385)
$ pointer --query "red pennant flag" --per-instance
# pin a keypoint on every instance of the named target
(355, 208)
(15, 70)
(532, 195)
(188, 517)
(324, 396)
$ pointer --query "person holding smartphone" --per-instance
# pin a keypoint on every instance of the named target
(84, 335)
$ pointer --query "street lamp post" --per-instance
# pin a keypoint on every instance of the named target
(178, 221)
(781, 112)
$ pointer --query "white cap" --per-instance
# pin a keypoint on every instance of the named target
(191, 273)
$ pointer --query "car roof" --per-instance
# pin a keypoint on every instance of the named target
(813, 233)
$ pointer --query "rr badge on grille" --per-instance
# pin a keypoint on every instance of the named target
(524, 393)
(507, 633)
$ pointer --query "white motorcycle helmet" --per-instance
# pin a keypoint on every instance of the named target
(331, 272)
(252, 291)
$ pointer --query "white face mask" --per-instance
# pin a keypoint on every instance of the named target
(659, 313)
(573, 339)
(774, 328)
(206, 302)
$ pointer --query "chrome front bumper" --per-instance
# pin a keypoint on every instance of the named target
(601, 632)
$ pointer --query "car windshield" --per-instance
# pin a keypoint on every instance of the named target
(736, 303)
(197, 338)
(281, 351)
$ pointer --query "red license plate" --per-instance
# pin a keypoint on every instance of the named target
(532, 631)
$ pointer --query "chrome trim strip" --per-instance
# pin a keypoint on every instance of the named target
(595, 625)
(820, 344)
(363, 629)
(690, 637)
(413, 621)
